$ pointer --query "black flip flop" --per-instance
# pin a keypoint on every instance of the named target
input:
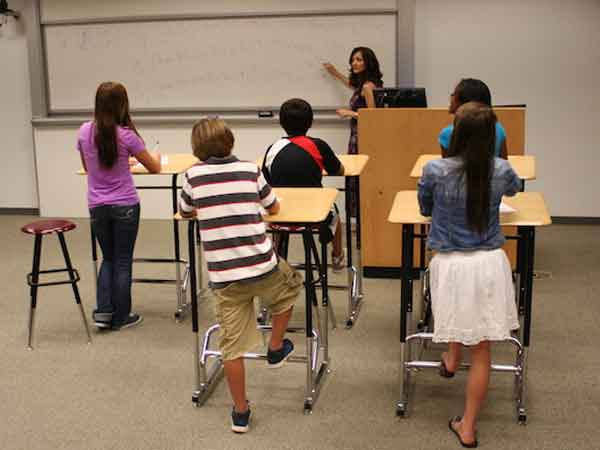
(443, 371)
(473, 444)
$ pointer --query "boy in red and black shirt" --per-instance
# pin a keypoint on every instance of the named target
(298, 160)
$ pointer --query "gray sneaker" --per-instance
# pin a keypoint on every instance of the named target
(132, 320)
(102, 320)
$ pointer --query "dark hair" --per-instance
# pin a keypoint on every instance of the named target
(296, 116)
(473, 141)
(371, 73)
(211, 137)
(111, 110)
(473, 90)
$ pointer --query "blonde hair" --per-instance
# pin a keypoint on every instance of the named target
(211, 137)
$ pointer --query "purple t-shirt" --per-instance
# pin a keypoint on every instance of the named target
(112, 186)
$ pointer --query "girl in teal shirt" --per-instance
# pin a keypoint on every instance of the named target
(472, 90)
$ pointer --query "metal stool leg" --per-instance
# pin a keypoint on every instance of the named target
(35, 273)
(72, 277)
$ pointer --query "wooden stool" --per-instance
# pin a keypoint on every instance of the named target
(39, 229)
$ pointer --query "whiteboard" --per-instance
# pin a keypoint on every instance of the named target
(213, 64)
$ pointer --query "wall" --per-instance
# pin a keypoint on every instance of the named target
(544, 54)
(17, 169)
(63, 193)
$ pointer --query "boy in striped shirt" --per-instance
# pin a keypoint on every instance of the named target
(227, 196)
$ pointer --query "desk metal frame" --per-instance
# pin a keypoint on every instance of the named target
(355, 273)
(207, 375)
(524, 271)
(180, 282)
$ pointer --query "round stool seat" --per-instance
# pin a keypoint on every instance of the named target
(48, 226)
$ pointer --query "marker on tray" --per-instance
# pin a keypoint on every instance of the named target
(264, 114)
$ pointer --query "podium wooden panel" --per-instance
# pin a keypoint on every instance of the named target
(394, 138)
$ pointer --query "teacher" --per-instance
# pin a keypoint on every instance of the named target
(364, 76)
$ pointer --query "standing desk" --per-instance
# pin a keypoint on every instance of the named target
(523, 165)
(531, 212)
(175, 164)
(304, 207)
(353, 167)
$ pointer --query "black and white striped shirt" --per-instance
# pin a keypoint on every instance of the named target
(228, 195)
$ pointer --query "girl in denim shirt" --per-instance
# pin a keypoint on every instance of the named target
(473, 298)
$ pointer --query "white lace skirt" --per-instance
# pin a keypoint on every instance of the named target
(472, 297)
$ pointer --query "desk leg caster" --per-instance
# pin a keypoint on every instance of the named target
(349, 323)
(181, 312)
(521, 416)
(308, 407)
(196, 399)
(401, 410)
(263, 316)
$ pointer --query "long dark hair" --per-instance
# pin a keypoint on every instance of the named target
(473, 90)
(473, 141)
(371, 73)
(112, 110)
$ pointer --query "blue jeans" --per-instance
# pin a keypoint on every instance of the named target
(116, 229)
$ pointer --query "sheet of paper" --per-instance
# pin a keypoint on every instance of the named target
(163, 160)
(505, 209)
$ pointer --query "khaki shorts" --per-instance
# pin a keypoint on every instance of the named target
(234, 307)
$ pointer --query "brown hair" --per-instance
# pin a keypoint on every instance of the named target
(211, 137)
(473, 141)
(111, 110)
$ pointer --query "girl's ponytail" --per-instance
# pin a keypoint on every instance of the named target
(473, 141)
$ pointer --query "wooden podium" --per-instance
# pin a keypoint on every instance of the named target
(394, 138)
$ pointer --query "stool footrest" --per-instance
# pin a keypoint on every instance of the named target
(53, 283)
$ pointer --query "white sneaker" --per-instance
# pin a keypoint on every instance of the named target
(338, 263)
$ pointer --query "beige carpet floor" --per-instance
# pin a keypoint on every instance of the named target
(132, 389)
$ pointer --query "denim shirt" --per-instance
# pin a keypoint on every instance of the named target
(442, 195)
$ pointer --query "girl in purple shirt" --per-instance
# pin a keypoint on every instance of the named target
(105, 145)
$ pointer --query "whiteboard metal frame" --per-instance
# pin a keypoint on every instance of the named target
(40, 89)
(241, 15)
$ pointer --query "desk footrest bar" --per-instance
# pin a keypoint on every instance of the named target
(256, 356)
(335, 287)
(160, 260)
(154, 280)
(428, 336)
(463, 366)
(267, 328)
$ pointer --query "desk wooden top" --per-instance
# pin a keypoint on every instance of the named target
(299, 205)
(175, 163)
(530, 210)
(523, 165)
(353, 164)
(303, 205)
